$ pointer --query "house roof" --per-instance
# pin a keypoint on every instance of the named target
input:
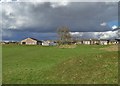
(93, 40)
(104, 40)
(34, 39)
(113, 40)
(118, 39)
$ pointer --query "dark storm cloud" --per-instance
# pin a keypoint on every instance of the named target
(79, 16)
(17, 35)
(26, 17)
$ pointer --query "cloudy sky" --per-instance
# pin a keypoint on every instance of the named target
(41, 19)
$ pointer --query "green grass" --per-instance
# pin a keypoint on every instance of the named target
(0, 65)
(85, 64)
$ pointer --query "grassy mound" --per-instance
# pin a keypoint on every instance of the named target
(67, 46)
(111, 48)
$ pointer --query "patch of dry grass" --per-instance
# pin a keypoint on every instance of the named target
(67, 46)
(111, 48)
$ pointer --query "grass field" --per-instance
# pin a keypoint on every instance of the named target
(85, 64)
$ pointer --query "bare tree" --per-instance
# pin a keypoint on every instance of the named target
(64, 35)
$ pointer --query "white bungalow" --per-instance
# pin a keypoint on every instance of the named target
(49, 43)
(45, 43)
(30, 41)
(104, 42)
(86, 42)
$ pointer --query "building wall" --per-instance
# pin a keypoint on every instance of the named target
(45, 44)
(80, 42)
(113, 42)
(29, 41)
(96, 42)
(86, 42)
(103, 42)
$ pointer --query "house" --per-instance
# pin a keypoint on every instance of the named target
(49, 43)
(113, 42)
(104, 42)
(46, 43)
(31, 41)
(94, 41)
(9, 42)
(78, 42)
(118, 40)
(86, 42)
(6, 42)
(2, 43)
(83, 41)
(89, 41)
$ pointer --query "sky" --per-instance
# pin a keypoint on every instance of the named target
(42, 19)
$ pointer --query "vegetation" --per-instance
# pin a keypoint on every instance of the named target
(67, 46)
(0, 65)
(85, 64)
(64, 35)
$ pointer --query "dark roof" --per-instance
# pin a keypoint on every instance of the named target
(104, 40)
(112, 40)
(116, 29)
(35, 39)
(117, 39)
(94, 40)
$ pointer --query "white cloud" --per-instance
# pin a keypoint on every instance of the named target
(62, 0)
(40, 17)
(58, 4)
(114, 27)
(0, 16)
(37, 2)
(95, 35)
(103, 24)
(7, 9)
(21, 20)
(12, 27)
(108, 34)
(76, 33)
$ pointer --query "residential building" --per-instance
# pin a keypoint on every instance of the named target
(31, 41)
